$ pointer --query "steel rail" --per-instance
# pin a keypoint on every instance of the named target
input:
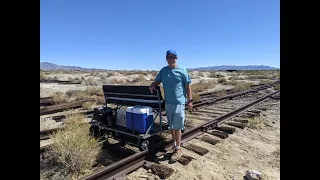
(44, 110)
(257, 86)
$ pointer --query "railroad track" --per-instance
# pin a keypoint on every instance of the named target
(46, 134)
(48, 106)
(46, 101)
(59, 82)
(206, 95)
(44, 110)
(202, 109)
(60, 118)
(220, 125)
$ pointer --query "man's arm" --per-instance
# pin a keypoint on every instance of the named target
(156, 82)
(189, 93)
(187, 82)
(152, 86)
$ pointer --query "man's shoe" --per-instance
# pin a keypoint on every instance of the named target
(176, 155)
(171, 151)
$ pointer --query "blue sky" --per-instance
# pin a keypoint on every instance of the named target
(135, 34)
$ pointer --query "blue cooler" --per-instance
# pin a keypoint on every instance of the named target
(139, 118)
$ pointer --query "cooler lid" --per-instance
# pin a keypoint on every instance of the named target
(139, 109)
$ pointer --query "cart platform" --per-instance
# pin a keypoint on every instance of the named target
(122, 95)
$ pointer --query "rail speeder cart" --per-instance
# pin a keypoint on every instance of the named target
(137, 114)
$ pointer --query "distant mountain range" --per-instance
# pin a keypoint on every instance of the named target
(51, 66)
(232, 67)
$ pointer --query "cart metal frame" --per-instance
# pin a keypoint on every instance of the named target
(122, 95)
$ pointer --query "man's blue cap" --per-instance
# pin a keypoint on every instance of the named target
(172, 52)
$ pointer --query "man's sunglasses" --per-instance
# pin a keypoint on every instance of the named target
(171, 57)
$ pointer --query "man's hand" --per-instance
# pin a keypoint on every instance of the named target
(190, 105)
(151, 88)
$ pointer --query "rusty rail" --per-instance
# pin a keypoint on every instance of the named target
(133, 162)
(60, 118)
(45, 134)
(45, 98)
(253, 87)
(61, 107)
(229, 96)
(45, 101)
(69, 82)
(59, 82)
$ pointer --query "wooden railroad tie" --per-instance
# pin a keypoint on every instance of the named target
(219, 134)
(197, 149)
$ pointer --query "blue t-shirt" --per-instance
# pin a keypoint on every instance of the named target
(174, 84)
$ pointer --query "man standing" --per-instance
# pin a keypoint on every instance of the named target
(176, 84)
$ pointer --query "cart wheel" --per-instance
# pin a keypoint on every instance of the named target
(96, 132)
(144, 145)
(92, 130)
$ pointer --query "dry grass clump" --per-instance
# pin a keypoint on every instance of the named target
(199, 87)
(263, 76)
(67, 72)
(276, 86)
(221, 93)
(195, 97)
(94, 73)
(77, 94)
(78, 79)
(70, 79)
(89, 105)
(241, 87)
(94, 91)
(233, 82)
(133, 72)
(139, 78)
(212, 75)
(265, 81)
(222, 80)
(59, 97)
(143, 83)
(91, 92)
(236, 78)
(201, 74)
(74, 150)
(192, 75)
(91, 82)
(53, 78)
(99, 99)
(202, 85)
(42, 76)
(109, 74)
(119, 81)
(255, 123)
(104, 79)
